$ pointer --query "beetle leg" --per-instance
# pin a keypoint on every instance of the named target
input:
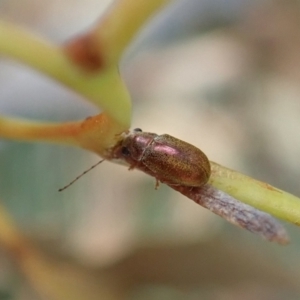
(131, 167)
(157, 184)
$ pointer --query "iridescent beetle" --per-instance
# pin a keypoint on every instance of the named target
(166, 158)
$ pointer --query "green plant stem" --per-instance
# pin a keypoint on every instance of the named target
(257, 194)
(104, 89)
(121, 23)
(24, 130)
(112, 34)
(98, 133)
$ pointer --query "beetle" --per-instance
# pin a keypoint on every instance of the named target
(168, 159)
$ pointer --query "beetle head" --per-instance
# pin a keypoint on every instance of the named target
(134, 145)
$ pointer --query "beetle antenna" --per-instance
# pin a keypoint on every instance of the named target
(92, 167)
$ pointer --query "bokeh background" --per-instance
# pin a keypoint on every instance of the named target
(222, 75)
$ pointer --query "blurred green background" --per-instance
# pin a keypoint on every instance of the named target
(222, 75)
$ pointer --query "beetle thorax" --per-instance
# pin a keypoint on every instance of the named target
(136, 144)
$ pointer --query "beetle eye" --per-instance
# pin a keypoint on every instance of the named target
(125, 151)
(138, 130)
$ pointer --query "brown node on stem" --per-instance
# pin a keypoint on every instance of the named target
(84, 51)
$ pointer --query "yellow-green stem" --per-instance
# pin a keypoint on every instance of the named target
(98, 133)
(257, 194)
(121, 23)
(104, 89)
